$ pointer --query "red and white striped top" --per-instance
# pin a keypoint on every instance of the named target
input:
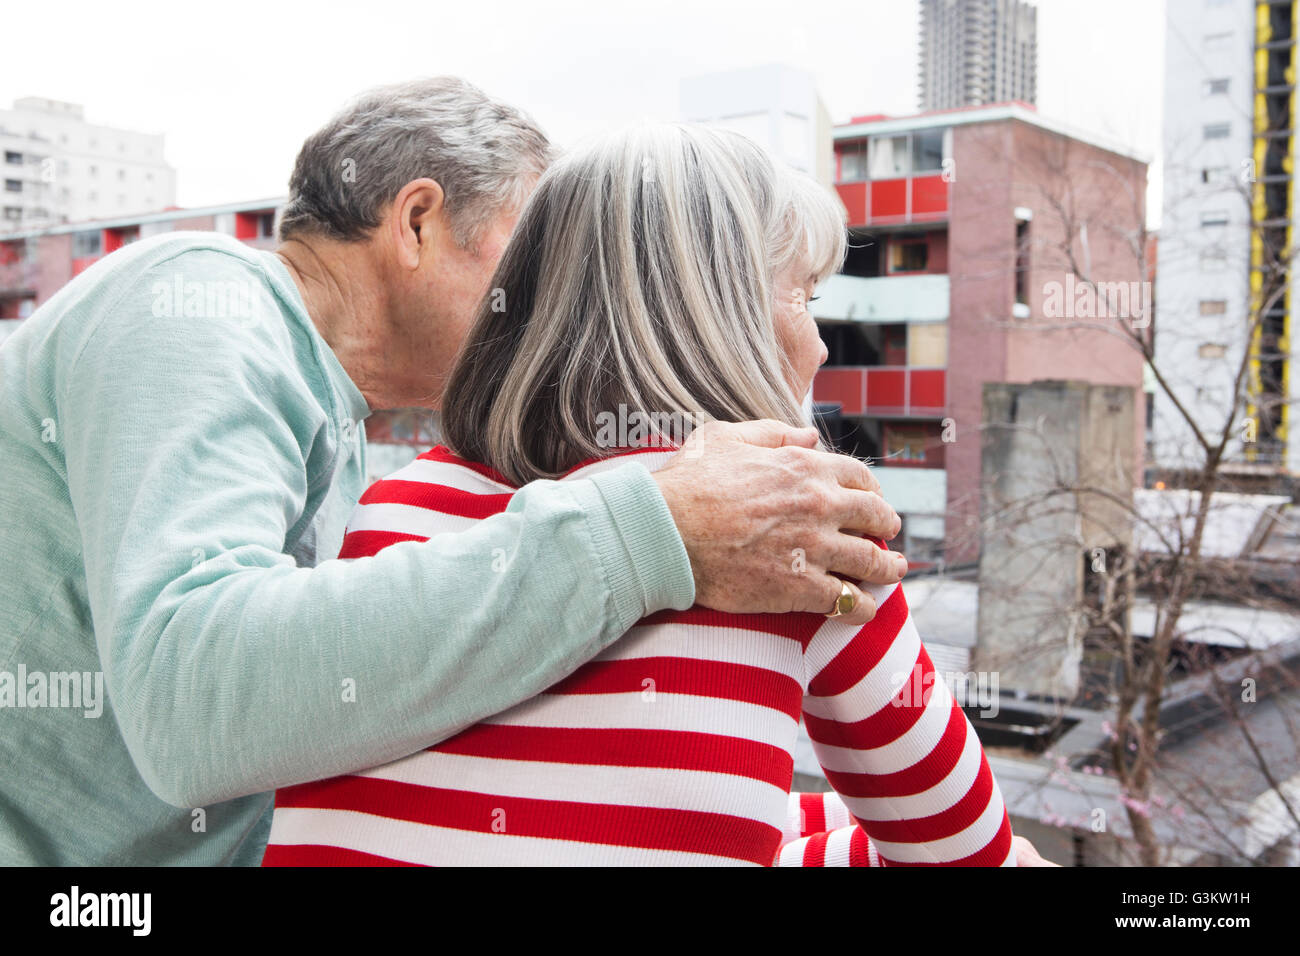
(820, 831)
(672, 747)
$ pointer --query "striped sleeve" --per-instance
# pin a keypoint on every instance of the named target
(845, 846)
(820, 831)
(809, 813)
(896, 746)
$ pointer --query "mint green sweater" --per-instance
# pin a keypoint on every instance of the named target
(179, 453)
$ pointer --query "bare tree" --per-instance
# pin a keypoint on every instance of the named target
(1176, 568)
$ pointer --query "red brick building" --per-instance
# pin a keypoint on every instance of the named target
(959, 222)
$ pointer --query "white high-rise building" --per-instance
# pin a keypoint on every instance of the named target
(977, 52)
(1229, 153)
(58, 168)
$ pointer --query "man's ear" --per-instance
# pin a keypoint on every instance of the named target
(414, 219)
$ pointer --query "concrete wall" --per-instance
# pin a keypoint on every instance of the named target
(1038, 441)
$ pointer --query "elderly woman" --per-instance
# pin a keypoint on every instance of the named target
(665, 270)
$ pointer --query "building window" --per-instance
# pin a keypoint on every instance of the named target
(1214, 260)
(853, 163)
(1214, 217)
(1214, 307)
(893, 341)
(908, 256)
(1022, 262)
(888, 158)
(1215, 175)
(94, 170)
(1217, 42)
(927, 344)
(1218, 130)
(87, 244)
(121, 175)
(1212, 350)
(927, 150)
(909, 443)
(13, 158)
(13, 185)
(13, 213)
(1216, 87)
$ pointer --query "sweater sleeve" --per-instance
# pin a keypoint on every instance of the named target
(843, 846)
(189, 452)
(820, 831)
(898, 749)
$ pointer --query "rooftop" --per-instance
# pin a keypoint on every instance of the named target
(879, 125)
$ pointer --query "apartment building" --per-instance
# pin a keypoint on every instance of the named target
(58, 168)
(976, 52)
(1226, 242)
(956, 277)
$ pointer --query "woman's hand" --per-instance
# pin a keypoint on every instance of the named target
(1026, 855)
(772, 525)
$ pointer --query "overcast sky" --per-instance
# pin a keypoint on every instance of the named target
(237, 85)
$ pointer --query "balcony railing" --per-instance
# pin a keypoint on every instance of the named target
(886, 299)
(884, 390)
(16, 277)
(915, 492)
(895, 201)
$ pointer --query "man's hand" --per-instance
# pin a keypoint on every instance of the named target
(768, 521)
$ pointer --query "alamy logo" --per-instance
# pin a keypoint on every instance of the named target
(633, 428)
(1073, 299)
(75, 689)
(102, 909)
(209, 299)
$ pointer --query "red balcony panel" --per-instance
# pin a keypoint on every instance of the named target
(115, 239)
(854, 197)
(245, 225)
(845, 386)
(85, 262)
(889, 199)
(886, 390)
(927, 390)
(929, 197)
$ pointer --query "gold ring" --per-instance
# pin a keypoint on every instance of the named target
(846, 602)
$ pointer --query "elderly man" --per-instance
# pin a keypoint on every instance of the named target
(182, 443)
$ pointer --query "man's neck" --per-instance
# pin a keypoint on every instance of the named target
(346, 301)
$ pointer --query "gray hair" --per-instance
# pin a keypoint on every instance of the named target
(483, 153)
(640, 276)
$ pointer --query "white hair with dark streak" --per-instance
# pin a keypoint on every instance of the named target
(640, 276)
